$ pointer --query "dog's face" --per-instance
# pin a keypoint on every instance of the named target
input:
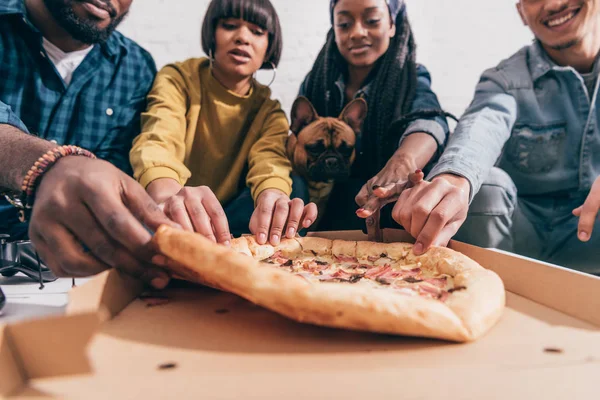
(323, 148)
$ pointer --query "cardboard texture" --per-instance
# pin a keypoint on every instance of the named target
(207, 344)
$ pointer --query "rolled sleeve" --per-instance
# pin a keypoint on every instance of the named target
(8, 117)
(426, 100)
(481, 133)
(432, 127)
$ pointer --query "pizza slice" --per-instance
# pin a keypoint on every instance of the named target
(378, 287)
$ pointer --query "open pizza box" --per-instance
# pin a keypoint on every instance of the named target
(207, 344)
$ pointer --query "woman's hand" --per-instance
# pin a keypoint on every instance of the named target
(197, 209)
(275, 214)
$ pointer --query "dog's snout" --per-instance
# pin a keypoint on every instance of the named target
(332, 162)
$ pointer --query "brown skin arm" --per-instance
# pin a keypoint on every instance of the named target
(18, 152)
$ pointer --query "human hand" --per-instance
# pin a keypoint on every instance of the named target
(386, 186)
(588, 212)
(275, 211)
(84, 202)
(197, 209)
(432, 212)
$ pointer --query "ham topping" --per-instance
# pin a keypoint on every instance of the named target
(343, 258)
(439, 282)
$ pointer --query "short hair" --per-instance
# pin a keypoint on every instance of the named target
(258, 12)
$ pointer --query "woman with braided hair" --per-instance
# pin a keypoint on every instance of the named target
(370, 52)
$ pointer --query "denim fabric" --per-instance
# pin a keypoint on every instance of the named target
(535, 120)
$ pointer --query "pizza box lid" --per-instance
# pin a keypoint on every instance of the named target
(205, 343)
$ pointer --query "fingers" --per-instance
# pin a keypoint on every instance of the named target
(295, 215)
(110, 210)
(176, 210)
(415, 177)
(260, 222)
(217, 217)
(141, 205)
(447, 233)
(199, 217)
(446, 212)
(64, 255)
(280, 216)
(362, 196)
(402, 212)
(421, 210)
(310, 215)
(587, 218)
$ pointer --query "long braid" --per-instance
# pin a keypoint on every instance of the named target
(392, 93)
(395, 86)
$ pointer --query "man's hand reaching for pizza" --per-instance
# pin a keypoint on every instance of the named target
(276, 216)
(433, 211)
(89, 216)
(588, 212)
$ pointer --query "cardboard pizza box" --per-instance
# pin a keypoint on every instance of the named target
(208, 344)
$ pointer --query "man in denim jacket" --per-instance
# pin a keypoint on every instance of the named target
(526, 153)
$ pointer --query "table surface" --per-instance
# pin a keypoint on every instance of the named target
(25, 300)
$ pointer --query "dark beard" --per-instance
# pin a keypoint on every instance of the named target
(82, 30)
(564, 46)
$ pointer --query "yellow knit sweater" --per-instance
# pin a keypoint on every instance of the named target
(198, 132)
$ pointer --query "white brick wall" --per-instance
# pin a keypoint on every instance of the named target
(457, 39)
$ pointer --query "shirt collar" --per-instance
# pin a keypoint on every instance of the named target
(539, 62)
(362, 92)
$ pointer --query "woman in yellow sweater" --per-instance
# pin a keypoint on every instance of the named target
(211, 129)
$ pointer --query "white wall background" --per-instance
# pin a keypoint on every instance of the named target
(457, 39)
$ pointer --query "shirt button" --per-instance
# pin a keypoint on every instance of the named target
(109, 111)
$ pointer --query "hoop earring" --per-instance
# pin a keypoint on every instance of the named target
(210, 58)
(274, 68)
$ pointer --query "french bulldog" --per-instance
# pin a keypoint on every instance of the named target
(322, 149)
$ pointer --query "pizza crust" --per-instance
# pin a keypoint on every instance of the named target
(465, 316)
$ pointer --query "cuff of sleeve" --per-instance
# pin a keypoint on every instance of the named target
(271, 183)
(458, 168)
(428, 126)
(9, 118)
(155, 173)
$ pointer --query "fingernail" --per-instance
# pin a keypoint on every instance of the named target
(291, 232)
(160, 260)
(583, 236)
(262, 238)
(160, 282)
(360, 210)
(418, 171)
(227, 243)
(418, 248)
(275, 239)
(307, 223)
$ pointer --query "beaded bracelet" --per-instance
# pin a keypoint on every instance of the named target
(41, 166)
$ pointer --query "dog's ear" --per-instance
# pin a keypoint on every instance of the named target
(354, 114)
(303, 113)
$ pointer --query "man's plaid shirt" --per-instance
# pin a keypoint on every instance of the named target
(98, 111)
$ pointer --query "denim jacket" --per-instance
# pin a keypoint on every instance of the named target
(425, 99)
(535, 120)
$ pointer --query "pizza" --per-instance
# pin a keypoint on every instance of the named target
(367, 286)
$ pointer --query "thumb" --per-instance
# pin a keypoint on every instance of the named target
(144, 208)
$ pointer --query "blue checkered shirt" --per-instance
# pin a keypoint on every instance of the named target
(99, 110)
